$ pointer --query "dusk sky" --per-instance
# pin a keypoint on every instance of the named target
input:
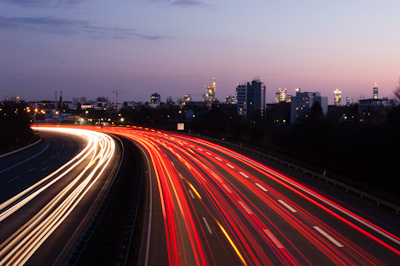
(91, 48)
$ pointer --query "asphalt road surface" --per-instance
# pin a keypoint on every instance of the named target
(209, 205)
(49, 192)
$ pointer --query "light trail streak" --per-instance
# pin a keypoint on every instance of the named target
(181, 232)
(21, 245)
(217, 173)
(262, 169)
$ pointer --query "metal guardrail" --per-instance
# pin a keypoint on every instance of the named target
(348, 188)
(21, 149)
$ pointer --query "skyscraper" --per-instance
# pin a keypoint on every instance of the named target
(338, 97)
(155, 98)
(375, 92)
(209, 97)
(281, 95)
(251, 99)
(241, 97)
(302, 103)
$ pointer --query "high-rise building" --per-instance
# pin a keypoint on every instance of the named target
(338, 97)
(230, 100)
(155, 98)
(209, 97)
(241, 98)
(251, 99)
(302, 103)
(375, 92)
(281, 95)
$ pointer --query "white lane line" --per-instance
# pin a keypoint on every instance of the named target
(172, 163)
(230, 166)
(191, 194)
(180, 176)
(244, 206)
(191, 145)
(261, 187)
(206, 223)
(52, 157)
(287, 206)
(218, 159)
(44, 162)
(30, 170)
(13, 179)
(243, 174)
(273, 238)
(58, 152)
(25, 160)
(227, 189)
(200, 149)
(322, 232)
(321, 198)
(45, 168)
(208, 153)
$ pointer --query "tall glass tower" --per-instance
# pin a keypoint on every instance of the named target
(375, 91)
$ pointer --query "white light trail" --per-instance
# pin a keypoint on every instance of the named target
(96, 156)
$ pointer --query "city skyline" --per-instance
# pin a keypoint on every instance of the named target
(90, 49)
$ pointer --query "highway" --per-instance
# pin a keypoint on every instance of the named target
(49, 192)
(208, 205)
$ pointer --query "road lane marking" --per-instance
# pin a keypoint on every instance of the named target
(208, 153)
(245, 207)
(30, 170)
(52, 157)
(44, 162)
(45, 168)
(25, 160)
(243, 174)
(273, 238)
(206, 223)
(287, 206)
(13, 179)
(292, 185)
(191, 194)
(172, 163)
(261, 187)
(200, 149)
(227, 189)
(230, 166)
(180, 176)
(322, 232)
(218, 159)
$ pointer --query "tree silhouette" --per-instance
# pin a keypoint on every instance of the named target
(316, 109)
(396, 92)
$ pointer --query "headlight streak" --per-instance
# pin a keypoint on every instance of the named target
(18, 248)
